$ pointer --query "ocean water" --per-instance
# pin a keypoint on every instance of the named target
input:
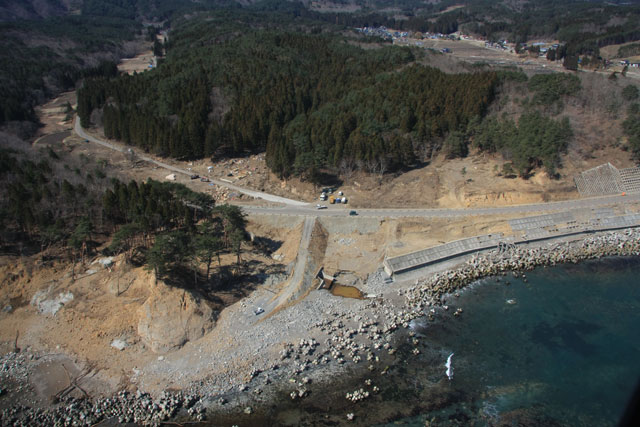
(559, 348)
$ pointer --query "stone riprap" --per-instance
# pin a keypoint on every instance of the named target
(347, 335)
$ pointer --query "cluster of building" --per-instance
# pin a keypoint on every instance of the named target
(543, 47)
(383, 32)
(414, 37)
(389, 34)
(502, 45)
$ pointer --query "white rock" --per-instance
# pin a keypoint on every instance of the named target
(119, 344)
(106, 262)
(50, 306)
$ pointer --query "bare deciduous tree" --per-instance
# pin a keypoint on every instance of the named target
(346, 168)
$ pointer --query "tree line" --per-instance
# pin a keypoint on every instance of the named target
(172, 227)
(315, 102)
(46, 201)
(631, 125)
(532, 141)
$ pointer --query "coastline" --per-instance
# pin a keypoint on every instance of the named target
(365, 336)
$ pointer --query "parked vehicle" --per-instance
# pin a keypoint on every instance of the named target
(321, 207)
(353, 213)
(204, 179)
(195, 176)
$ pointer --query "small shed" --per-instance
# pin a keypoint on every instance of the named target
(170, 177)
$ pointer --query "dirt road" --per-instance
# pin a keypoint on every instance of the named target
(296, 207)
(253, 193)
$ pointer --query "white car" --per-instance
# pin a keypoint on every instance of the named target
(321, 207)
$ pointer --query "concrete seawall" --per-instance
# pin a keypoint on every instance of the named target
(406, 263)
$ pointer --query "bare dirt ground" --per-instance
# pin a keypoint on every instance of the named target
(474, 51)
(78, 337)
(474, 181)
(106, 303)
(611, 52)
(105, 306)
(54, 115)
(137, 64)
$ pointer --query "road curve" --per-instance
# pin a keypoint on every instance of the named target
(253, 193)
(296, 207)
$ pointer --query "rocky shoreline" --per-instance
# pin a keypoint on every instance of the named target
(361, 338)
(519, 259)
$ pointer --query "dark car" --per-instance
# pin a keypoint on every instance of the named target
(353, 213)
(195, 176)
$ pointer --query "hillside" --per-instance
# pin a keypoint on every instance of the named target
(285, 87)
(142, 280)
(33, 9)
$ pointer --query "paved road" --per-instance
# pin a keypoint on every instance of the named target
(296, 207)
(338, 210)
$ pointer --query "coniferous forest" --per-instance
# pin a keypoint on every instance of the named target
(275, 77)
(48, 201)
(310, 99)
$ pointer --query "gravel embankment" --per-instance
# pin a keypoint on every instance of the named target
(309, 343)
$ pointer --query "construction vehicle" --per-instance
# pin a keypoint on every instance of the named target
(332, 200)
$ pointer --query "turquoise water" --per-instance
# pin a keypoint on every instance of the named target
(559, 349)
(562, 348)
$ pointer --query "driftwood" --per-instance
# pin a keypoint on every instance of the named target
(73, 384)
(16, 349)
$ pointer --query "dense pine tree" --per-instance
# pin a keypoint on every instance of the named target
(308, 100)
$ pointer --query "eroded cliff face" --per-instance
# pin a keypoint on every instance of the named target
(171, 316)
(107, 317)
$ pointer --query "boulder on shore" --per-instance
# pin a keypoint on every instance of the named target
(170, 317)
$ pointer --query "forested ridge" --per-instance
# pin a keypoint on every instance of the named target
(52, 204)
(272, 77)
(582, 26)
(310, 100)
(38, 60)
